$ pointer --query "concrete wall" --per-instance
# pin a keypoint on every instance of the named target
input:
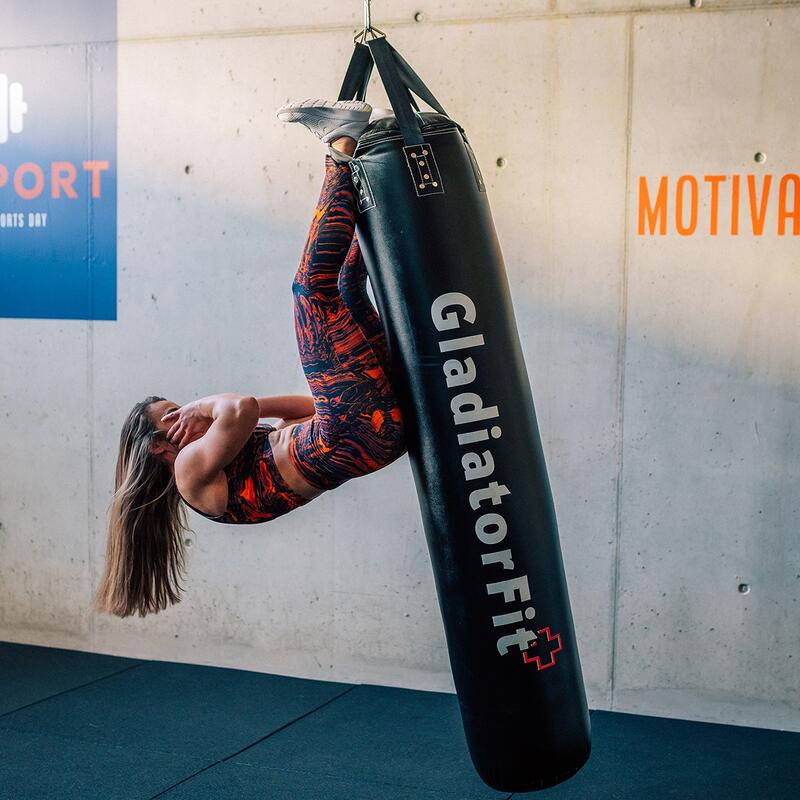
(665, 368)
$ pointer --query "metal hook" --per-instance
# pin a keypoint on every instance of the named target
(368, 29)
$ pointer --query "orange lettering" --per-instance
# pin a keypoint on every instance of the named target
(758, 217)
(647, 210)
(36, 171)
(690, 228)
(95, 167)
(59, 180)
(715, 181)
(735, 206)
(783, 210)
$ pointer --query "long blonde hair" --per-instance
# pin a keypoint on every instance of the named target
(145, 549)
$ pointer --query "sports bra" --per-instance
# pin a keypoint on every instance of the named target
(257, 492)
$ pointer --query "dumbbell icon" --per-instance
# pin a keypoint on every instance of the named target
(12, 108)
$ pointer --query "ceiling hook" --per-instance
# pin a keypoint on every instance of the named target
(368, 29)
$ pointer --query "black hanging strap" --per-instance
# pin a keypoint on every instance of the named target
(356, 79)
(406, 80)
(396, 89)
(415, 84)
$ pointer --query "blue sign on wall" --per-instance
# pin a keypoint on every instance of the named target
(58, 159)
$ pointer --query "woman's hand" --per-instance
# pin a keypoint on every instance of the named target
(190, 422)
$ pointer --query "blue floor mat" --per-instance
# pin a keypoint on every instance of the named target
(378, 734)
(230, 781)
(29, 673)
(36, 766)
(637, 757)
(208, 712)
(94, 727)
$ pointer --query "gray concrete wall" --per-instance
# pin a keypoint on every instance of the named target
(665, 368)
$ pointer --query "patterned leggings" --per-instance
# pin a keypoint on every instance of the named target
(357, 427)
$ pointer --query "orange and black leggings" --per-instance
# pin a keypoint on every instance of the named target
(357, 426)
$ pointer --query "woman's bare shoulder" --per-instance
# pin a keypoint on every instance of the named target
(209, 496)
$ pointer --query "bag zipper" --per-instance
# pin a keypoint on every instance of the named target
(432, 127)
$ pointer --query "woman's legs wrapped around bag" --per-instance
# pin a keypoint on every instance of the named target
(357, 427)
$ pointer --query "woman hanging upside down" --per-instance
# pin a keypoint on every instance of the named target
(215, 455)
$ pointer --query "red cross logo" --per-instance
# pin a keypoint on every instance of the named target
(557, 648)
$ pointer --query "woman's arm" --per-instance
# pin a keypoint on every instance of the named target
(286, 423)
(191, 420)
(233, 418)
(286, 407)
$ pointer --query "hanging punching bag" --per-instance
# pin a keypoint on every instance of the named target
(433, 258)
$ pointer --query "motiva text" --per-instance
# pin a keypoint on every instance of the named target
(748, 205)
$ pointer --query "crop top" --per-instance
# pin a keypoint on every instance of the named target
(257, 492)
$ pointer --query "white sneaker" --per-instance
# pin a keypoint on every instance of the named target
(328, 119)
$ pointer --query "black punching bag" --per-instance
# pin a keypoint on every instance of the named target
(438, 276)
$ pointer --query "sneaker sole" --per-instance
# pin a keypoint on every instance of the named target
(353, 106)
(293, 115)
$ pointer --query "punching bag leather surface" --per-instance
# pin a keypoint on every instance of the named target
(437, 271)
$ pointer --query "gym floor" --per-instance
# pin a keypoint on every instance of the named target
(83, 725)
